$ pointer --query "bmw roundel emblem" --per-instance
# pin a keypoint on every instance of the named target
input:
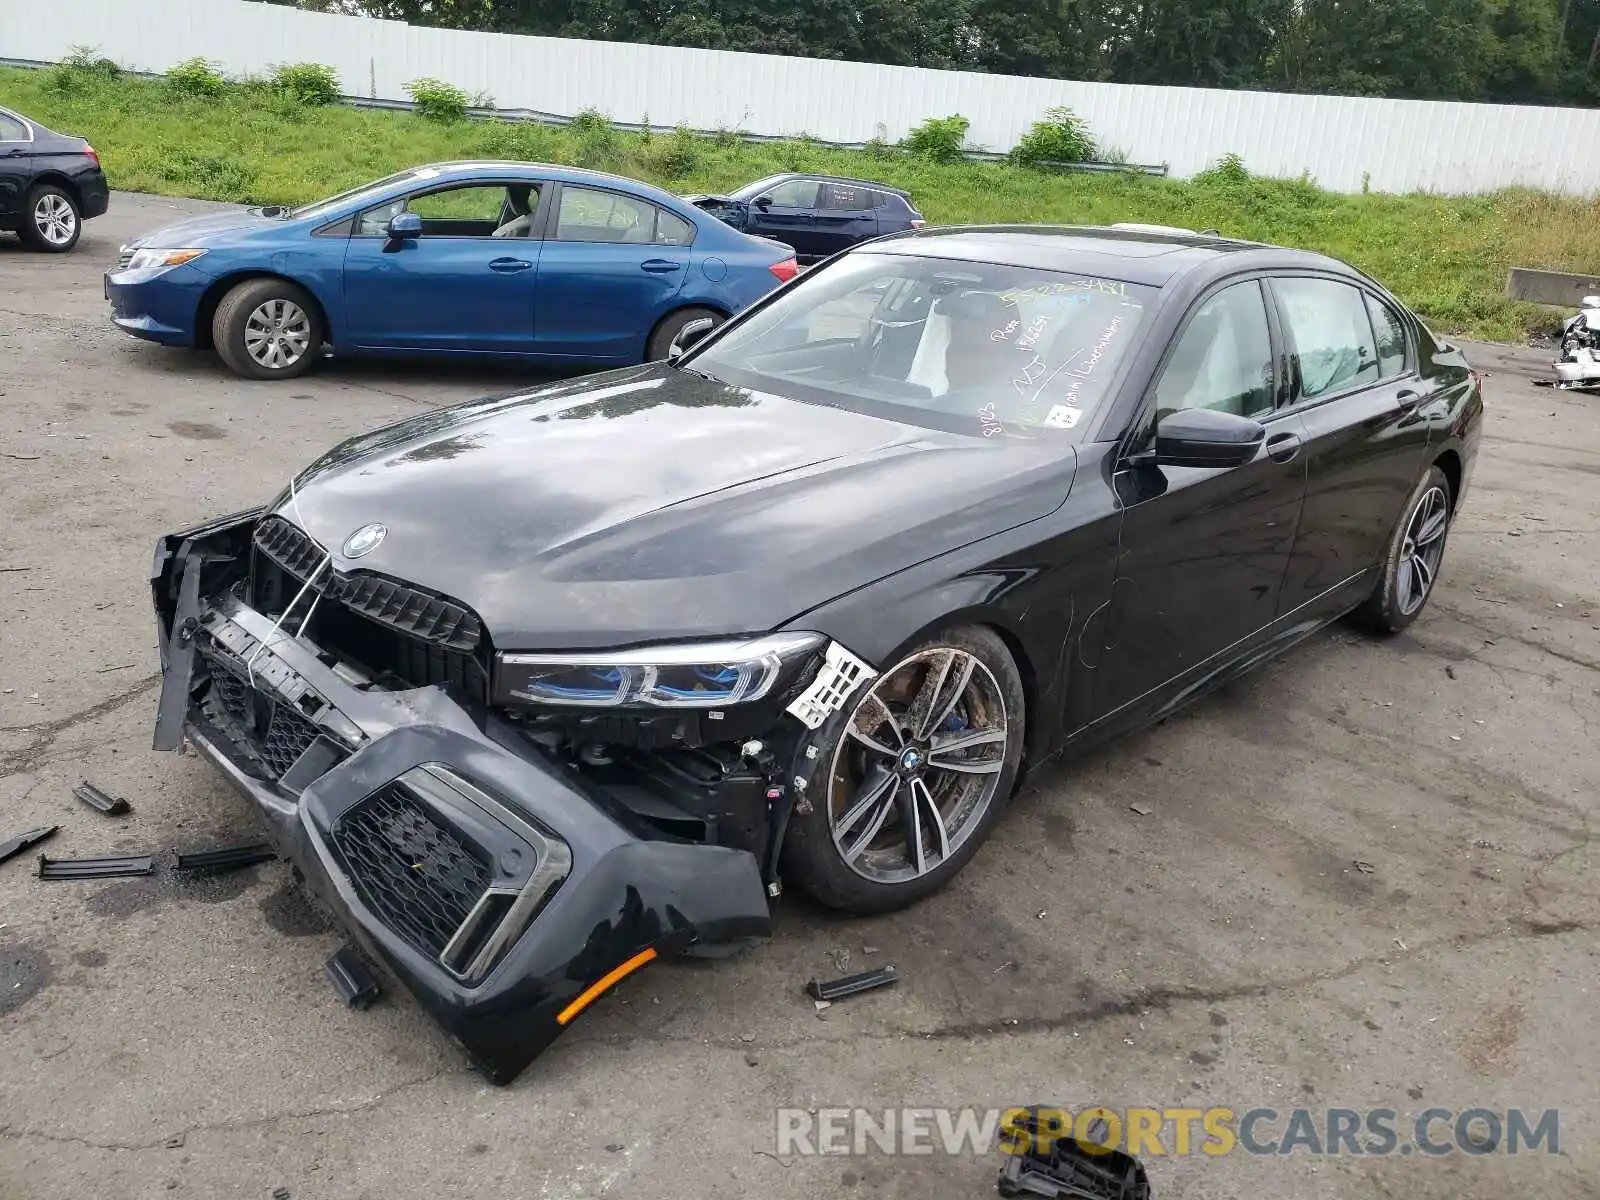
(364, 540)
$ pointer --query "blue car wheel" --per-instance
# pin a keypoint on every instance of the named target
(268, 329)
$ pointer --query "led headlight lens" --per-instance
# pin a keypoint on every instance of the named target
(691, 675)
(150, 259)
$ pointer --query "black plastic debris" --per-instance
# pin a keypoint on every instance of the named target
(95, 868)
(112, 806)
(12, 847)
(234, 858)
(354, 981)
(1044, 1159)
(838, 989)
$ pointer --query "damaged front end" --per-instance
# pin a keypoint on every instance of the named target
(506, 848)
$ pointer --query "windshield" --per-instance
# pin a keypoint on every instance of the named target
(751, 190)
(333, 204)
(978, 348)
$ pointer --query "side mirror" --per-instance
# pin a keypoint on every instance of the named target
(762, 202)
(1204, 437)
(403, 227)
(690, 336)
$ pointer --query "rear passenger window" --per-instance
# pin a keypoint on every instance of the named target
(1332, 335)
(12, 130)
(1223, 361)
(844, 198)
(672, 230)
(1391, 338)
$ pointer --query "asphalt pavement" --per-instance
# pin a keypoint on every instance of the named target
(1366, 878)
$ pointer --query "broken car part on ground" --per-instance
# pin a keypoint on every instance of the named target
(537, 688)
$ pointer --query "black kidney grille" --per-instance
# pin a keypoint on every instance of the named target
(410, 610)
(415, 873)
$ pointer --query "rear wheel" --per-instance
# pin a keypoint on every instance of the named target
(673, 326)
(918, 769)
(1415, 556)
(52, 223)
(268, 329)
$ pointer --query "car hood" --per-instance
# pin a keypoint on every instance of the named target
(653, 503)
(209, 230)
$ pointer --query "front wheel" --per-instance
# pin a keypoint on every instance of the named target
(1415, 556)
(268, 329)
(52, 223)
(916, 770)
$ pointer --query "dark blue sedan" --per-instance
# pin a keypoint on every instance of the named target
(817, 215)
(480, 258)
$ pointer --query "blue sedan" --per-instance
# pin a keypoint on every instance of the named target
(480, 258)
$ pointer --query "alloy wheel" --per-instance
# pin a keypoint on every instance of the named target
(1422, 550)
(277, 334)
(918, 765)
(54, 219)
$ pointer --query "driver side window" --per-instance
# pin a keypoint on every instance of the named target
(472, 210)
(796, 193)
(1223, 359)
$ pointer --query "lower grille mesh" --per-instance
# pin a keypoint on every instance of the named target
(276, 745)
(414, 872)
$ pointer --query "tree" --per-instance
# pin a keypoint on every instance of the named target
(1426, 49)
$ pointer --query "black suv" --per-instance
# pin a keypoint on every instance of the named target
(50, 184)
(818, 215)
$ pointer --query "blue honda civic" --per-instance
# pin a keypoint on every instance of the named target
(470, 258)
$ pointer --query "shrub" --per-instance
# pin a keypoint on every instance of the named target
(1062, 137)
(81, 71)
(437, 100)
(938, 139)
(310, 84)
(673, 157)
(1229, 171)
(197, 78)
(879, 149)
(517, 141)
(591, 122)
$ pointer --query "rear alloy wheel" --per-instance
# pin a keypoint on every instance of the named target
(52, 225)
(666, 336)
(268, 329)
(1415, 555)
(919, 767)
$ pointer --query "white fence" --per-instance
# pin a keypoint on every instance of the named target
(1397, 145)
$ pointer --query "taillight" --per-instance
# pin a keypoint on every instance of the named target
(917, 222)
(94, 155)
(785, 270)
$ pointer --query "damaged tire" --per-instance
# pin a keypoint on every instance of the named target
(1414, 557)
(268, 329)
(913, 774)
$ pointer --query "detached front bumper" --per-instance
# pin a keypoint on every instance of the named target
(498, 887)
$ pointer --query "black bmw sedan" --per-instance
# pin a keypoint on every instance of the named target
(539, 687)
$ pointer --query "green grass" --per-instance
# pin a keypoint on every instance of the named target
(1447, 256)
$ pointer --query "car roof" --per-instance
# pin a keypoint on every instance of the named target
(465, 168)
(846, 179)
(1147, 255)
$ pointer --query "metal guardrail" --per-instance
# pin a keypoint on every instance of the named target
(537, 117)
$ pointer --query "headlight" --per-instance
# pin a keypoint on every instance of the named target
(159, 260)
(691, 675)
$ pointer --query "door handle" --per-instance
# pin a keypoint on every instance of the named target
(14, 151)
(1408, 397)
(509, 266)
(659, 266)
(1284, 447)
